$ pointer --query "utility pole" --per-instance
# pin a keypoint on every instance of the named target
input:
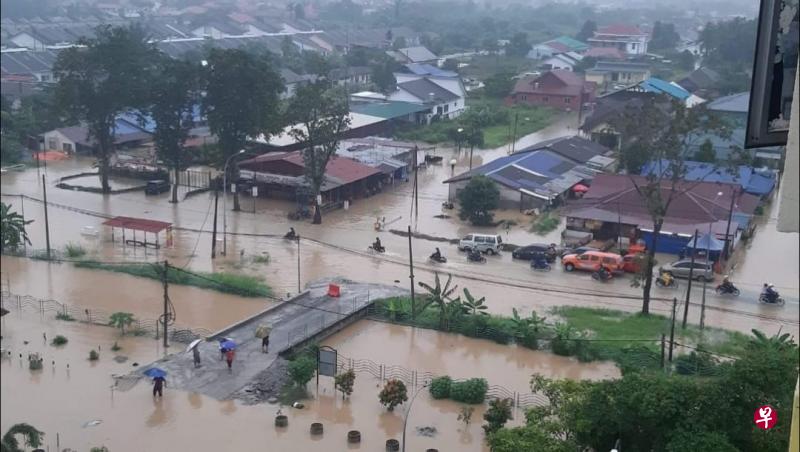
(663, 346)
(166, 302)
(214, 234)
(689, 287)
(298, 265)
(22, 205)
(672, 328)
(46, 220)
(619, 228)
(414, 213)
(514, 136)
(726, 251)
(705, 279)
(411, 266)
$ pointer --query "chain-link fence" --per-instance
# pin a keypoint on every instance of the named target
(64, 311)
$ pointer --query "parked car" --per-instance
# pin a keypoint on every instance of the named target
(156, 187)
(680, 269)
(527, 252)
(591, 261)
(632, 263)
(578, 250)
(485, 243)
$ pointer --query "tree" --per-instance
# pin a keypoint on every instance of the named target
(685, 60)
(497, 415)
(706, 153)
(490, 44)
(393, 393)
(12, 228)
(499, 85)
(472, 305)
(241, 101)
(587, 31)
(108, 75)
(301, 370)
(450, 64)
(174, 93)
(478, 199)
(399, 43)
(438, 295)
(584, 64)
(344, 382)
(383, 74)
(658, 132)
(121, 320)
(518, 46)
(664, 36)
(322, 115)
(33, 438)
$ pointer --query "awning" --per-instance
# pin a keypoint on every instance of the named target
(137, 224)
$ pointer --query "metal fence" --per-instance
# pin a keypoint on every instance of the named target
(192, 179)
(64, 311)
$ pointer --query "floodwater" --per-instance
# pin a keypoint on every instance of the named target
(339, 248)
(63, 397)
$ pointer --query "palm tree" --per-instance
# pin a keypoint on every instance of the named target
(778, 342)
(438, 295)
(121, 320)
(473, 306)
(33, 438)
(12, 228)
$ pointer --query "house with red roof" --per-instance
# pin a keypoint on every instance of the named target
(559, 88)
(282, 175)
(625, 38)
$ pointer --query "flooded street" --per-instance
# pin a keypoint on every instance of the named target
(339, 247)
(61, 400)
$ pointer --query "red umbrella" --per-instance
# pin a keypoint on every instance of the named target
(580, 188)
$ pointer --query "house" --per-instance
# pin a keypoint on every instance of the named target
(218, 29)
(392, 158)
(282, 175)
(604, 53)
(560, 89)
(625, 38)
(613, 207)
(598, 125)
(76, 138)
(428, 69)
(23, 62)
(702, 81)
(291, 81)
(671, 89)
(539, 176)
(352, 76)
(444, 95)
(566, 61)
(418, 54)
(562, 44)
(394, 111)
(361, 125)
(750, 180)
(733, 108)
(609, 75)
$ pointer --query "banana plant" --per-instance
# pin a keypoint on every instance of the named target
(473, 306)
(439, 295)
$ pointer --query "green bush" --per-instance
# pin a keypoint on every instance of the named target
(695, 363)
(440, 387)
(301, 370)
(115, 347)
(65, 317)
(471, 391)
(93, 355)
(545, 223)
(59, 340)
(261, 258)
(74, 250)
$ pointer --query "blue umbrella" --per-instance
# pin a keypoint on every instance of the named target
(229, 345)
(155, 372)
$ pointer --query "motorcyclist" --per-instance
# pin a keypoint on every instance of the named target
(539, 260)
(474, 254)
(377, 245)
(291, 234)
(666, 278)
(437, 255)
(603, 273)
(726, 283)
(769, 293)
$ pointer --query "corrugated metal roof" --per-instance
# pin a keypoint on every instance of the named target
(390, 109)
(735, 103)
(656, 85)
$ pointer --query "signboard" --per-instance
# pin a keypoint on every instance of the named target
(326, 361)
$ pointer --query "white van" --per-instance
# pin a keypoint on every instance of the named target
(485, 243)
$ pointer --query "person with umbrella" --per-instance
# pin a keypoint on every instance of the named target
(263, 332)
(159, 380)
(195, 351)
(229, 346)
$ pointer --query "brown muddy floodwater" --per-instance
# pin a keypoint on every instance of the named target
(61, 401)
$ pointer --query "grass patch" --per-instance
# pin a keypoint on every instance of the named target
(65, 317)
(59, 340)
(74, 250)
(115, 347)
(261, 258)
(545, 223)
(247, 286)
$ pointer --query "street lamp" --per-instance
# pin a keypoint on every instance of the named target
(408, 411)
(458, 139)
(225, 203)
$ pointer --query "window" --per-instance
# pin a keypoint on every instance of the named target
(499, 239)
(439, 110)
(491, 240)
(480, 239)
(567, 100)
(683, 265)
(468, 238)
(594, 258)
(608, 260)
(66, 147)
(447, 108)
(52, 144)
(583, 257)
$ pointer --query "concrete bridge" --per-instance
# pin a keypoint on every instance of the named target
(309, 317)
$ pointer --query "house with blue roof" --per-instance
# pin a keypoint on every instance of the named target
(758, 183)
(539, 176)
(657, 86)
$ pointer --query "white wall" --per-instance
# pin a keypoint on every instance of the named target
(54, 141)
(404, 96)
(27, 41)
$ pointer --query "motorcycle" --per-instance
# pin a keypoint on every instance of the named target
(776, 299)
(440, 259)
(377, 249)
(291, 235)
(661, 282)
(602, 276)
(541, 265)
(722, 289)
(475, 256)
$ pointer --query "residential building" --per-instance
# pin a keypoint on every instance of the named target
(282, 175)
(361, 125)
(418, 54)
(598, 125)
(610, 75)
(291, 81)
(428, 69)
(392, 158)
(560, 89)
(702, 81)
(566, 61)
(626, 38)
(394, 111)
(605, 53)
(23, 62)
(733, 108)
(613, 207)
(750, 180)
(444, 95)
(562, 44)
(352, 76)
(540, 176)
(75, 139)
(671, 89)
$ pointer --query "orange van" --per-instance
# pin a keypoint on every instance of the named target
(591, 261)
